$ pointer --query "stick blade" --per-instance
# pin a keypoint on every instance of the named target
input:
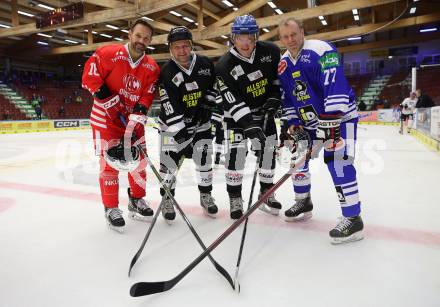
(133, 261)
(147, 288)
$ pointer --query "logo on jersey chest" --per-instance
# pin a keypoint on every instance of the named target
(266, 59)
(237, 71)
(300, 91)
(308, 114)
(257, 88)
(204, 72)
(131, 83)
(191, 99)
(305, 58)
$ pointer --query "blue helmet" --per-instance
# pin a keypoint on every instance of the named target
(245, 24)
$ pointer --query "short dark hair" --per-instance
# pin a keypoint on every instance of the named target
(144, 23)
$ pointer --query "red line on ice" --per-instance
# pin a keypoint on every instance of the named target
(428, 238)
(6, 203)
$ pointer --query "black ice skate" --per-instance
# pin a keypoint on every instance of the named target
(139, 209)
(236, 204)
(349, 229)
(114, 219)
(168, 212)
(300, 211)
(208, 204)
(271, 205)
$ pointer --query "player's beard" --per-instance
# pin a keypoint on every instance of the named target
(138, 47)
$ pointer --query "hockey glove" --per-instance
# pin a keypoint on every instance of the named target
(203, 113)
(271, 105)
(112, 105)
(329, 130)
(137, 120)
(299, 141)
(181, 136)
(257, 137)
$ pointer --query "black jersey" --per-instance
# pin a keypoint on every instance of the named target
(246, 84)
(182, 91)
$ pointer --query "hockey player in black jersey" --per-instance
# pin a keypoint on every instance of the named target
(186, 88)
(248, 83)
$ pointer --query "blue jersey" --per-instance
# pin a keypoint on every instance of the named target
(314, 84)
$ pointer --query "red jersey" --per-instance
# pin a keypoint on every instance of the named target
(134, 81)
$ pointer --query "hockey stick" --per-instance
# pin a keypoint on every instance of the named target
(153, 222)
(147, 288)
(243, 235)
(218, 267)
(159, 209)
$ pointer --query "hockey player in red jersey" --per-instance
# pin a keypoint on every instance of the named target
(122, 80)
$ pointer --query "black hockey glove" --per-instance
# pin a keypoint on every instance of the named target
(181, 136)
(203, 113)
(271, 105)
(329, 130)
(257, 137)
(299, 140)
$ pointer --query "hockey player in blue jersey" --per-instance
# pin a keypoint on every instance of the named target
(318, 100)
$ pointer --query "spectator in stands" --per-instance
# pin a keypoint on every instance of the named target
(6, 115)
(38, 111)
(386, 104)
(376, 102)
(61, 111)
(362, 106)
(79, 99)
(34, 101)
(424, 101)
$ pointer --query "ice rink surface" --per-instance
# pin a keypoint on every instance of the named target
(56, 250)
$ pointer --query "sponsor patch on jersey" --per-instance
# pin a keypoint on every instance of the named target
(191, 86)
(163, 93)
(178, 79)
(300, 91)
(308, 114)
(204, 72)
(119, 55)
(221, 84)
(340, 193)
(329, 60)
(255, 75)
(282, 65)
(237, 71)
(266, 59)
(296, 74)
